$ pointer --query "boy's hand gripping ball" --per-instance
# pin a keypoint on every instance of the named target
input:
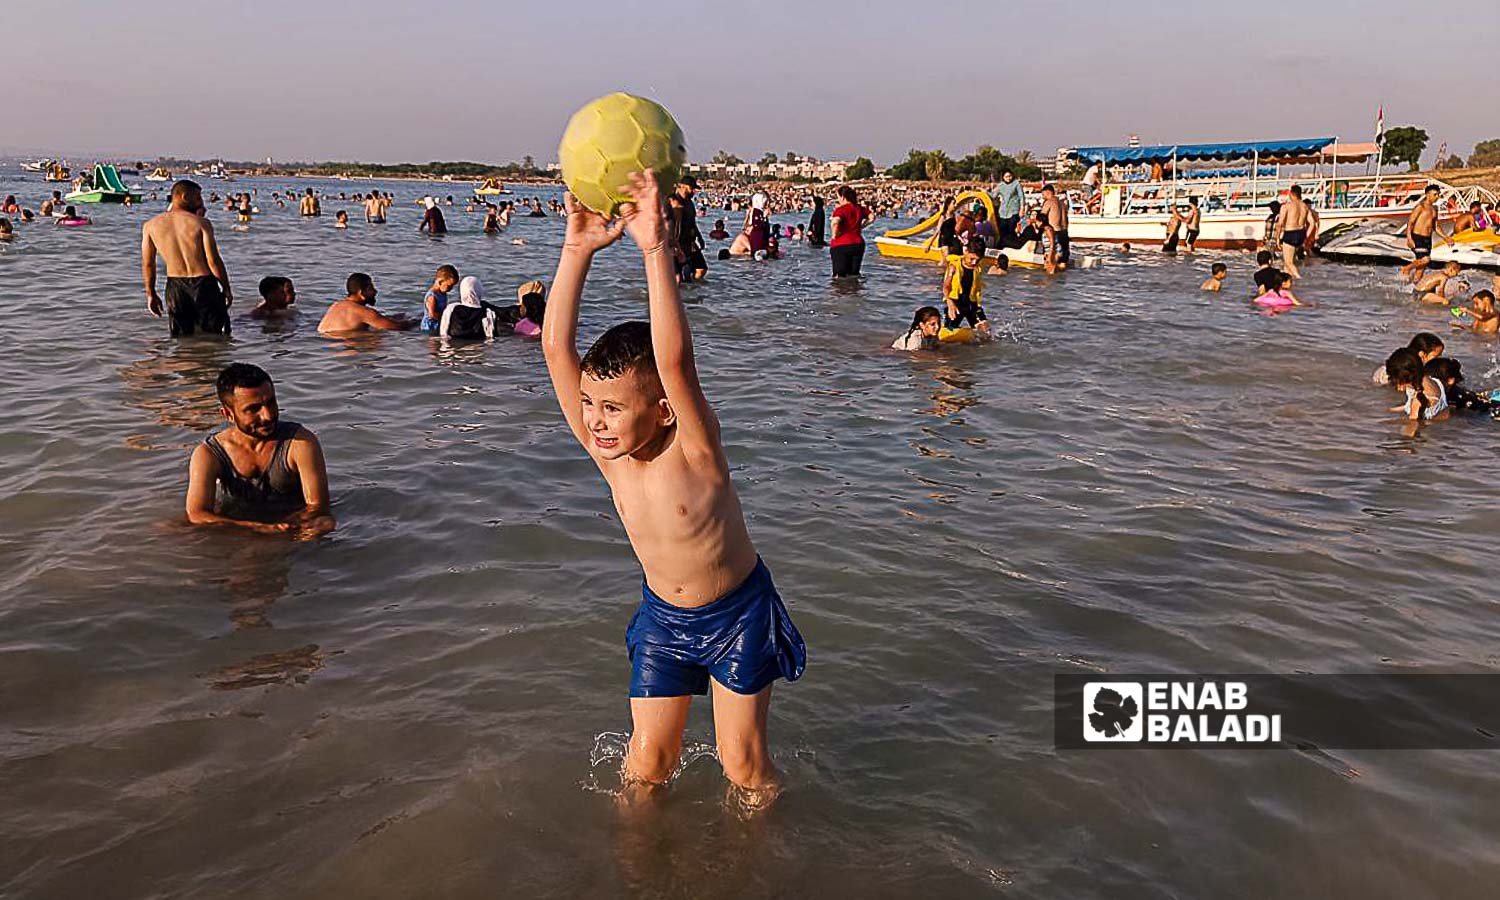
(613, 136)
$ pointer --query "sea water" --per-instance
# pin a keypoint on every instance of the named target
(1135, 477)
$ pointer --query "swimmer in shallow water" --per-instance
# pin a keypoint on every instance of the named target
(1280, 298)
(276, 298)
(710, 618)
(923, 333)
(436, 298)
(356, 312)
(1483, 319)
(1441, 286)
(271, 471)
(1425, 398)
(1216, 275)
(1425, 344)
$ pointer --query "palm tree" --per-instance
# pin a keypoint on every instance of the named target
(1025, 157)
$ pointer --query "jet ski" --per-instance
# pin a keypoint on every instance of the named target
(1386, 242)
(1367, 242)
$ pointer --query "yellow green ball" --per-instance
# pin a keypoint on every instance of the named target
(613, 136)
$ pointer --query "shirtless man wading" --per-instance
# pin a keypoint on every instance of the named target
(375, 209)
(198, 294)
(1420, 226)
(1056, 213)
(1293, 222)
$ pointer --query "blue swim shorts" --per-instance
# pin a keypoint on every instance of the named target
(745, 640)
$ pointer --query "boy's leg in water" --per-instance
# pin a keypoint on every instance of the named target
(740, 733)
(655, 742)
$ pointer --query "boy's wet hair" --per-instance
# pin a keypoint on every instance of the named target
(1425, 342)
(624, 348)
(1443, 369)
(1404, 367)
(239, 375)
(448, 272)
(1482, 295)
(1263, 258)
(1002, 262)
(1217, 269)
(975, 246)
(273, 283)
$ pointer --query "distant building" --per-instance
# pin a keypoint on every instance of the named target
(800, 167)
(1133, 141)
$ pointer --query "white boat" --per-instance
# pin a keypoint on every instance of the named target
(1234, 202)
(159, 174)
(37, 166)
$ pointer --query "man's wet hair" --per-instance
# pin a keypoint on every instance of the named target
(1483, 295)
(1263, 258)
(273, 283)
(1216, 268)
(357, 282)
(624, 348)
(239, 375)
(1425, 342)
(185, 189)
(1296, 190)
(1049, 189)
(1432, 188)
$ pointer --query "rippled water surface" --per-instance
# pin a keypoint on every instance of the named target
(430, 702)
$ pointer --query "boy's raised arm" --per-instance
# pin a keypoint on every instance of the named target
(588, 233)
(671, 340)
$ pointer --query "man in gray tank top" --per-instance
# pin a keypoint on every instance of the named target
(271, 471)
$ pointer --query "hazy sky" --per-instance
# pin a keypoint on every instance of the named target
(386, 81)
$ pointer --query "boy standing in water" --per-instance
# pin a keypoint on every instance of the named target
(709, 611)
(1216, 275)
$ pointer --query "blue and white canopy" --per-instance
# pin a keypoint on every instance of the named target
(1164, 153)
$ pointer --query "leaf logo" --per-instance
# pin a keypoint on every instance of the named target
(1112, 711)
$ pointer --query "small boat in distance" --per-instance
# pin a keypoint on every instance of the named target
(159, 174)
(215, 170)
(37, 166)
(56, 171)
(103, 185)
(491, 188)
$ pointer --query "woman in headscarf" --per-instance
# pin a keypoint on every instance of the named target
(470, 317)
(432, 220)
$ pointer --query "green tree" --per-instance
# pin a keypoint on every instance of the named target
(938, 165)
(769, 159)
(1486, 154)
(863, 168)
(1405, 145)
(1454, 161)
(725, 158)
(528, 163)
(789, 157)
(913, 168)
